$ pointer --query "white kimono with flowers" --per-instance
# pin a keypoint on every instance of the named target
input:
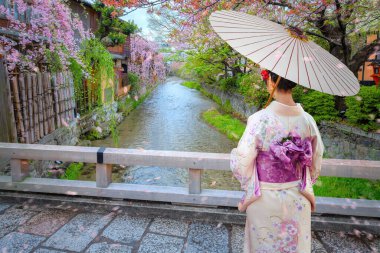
(278, 214)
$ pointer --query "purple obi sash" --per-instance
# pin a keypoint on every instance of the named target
(279, 163)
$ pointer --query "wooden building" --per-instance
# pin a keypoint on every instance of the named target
(371, 66)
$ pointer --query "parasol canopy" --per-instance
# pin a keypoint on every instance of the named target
(285, 51)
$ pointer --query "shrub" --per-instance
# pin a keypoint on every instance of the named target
(320, 105)
(73, 171)
(228, 83)
(134, 81)
(364, 109)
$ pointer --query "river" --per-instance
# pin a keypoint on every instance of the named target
(170, 119)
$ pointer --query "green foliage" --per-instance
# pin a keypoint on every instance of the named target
(227, 84)
(320, 105)
(253, 89)
(192, 85)
(226, 124)
(93, 134)
(73, 171)
(203, 65)
(364, 109)
(115, 38)
(112, 30)
(130, 104)
(134, 81)
(53, 61)
(99, 65)
(114, 130)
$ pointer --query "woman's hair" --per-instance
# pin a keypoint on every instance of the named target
(284, 84)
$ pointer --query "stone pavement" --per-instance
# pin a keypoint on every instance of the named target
(28, 226)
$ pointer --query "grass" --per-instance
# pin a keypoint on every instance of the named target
(225, 123)
(355, 188)
(192, 85)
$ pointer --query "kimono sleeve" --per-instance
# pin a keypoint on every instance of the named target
(243, 157)
(315, 169)
(318, 149)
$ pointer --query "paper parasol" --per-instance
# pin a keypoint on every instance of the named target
(284, 51)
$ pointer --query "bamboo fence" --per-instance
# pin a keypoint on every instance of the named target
(42, 102)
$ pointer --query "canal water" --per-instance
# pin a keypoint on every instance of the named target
(170, 119)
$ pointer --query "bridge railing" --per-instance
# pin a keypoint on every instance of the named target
(196, 162)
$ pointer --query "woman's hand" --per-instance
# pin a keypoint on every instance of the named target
(244, 203)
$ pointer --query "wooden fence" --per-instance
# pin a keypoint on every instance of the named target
(42, 102)
(196, 162)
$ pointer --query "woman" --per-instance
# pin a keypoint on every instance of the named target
(277, 161)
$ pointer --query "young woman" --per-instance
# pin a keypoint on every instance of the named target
(277, 161)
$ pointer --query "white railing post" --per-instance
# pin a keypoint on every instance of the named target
(19, 169)
(195, 176)
(103, 175)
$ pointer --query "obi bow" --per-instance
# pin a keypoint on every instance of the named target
(292, 150)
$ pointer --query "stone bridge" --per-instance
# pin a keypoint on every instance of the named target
(53, 215)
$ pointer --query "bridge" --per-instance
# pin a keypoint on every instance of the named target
(139, 218)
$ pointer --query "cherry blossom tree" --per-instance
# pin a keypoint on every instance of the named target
(45, 33)
(338, 25)
(145, 61)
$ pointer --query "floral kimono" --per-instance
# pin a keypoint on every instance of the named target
(277, 161)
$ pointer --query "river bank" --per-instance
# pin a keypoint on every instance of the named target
(168, 119)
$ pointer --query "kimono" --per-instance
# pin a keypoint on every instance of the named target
(277, 161)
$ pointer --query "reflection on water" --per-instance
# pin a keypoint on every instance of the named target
(169, 119)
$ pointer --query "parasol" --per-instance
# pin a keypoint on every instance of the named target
(284, 51)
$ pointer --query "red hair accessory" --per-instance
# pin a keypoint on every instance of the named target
(264, 74)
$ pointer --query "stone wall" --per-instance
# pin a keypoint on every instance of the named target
(341, 141)
(236, 100)
(346, 142)
(97, 123)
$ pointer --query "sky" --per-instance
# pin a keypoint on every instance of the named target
(140, 17)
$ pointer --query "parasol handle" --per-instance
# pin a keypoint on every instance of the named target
(271, 94)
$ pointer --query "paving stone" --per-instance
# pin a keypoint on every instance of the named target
(237, 239)
(79, 232)
(206, 237)
(47, 222)
(317, 247)
(375, 245)
(12, 218)
(126, 229)
(4, 206)
(111, 248)
(341, 243)
(169, 227)
(43, 250)
(161, 244)
(18, 242)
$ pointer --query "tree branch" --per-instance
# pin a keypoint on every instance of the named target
(323, 37)
(362, 55)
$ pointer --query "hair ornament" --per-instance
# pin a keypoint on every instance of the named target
(264, 74)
